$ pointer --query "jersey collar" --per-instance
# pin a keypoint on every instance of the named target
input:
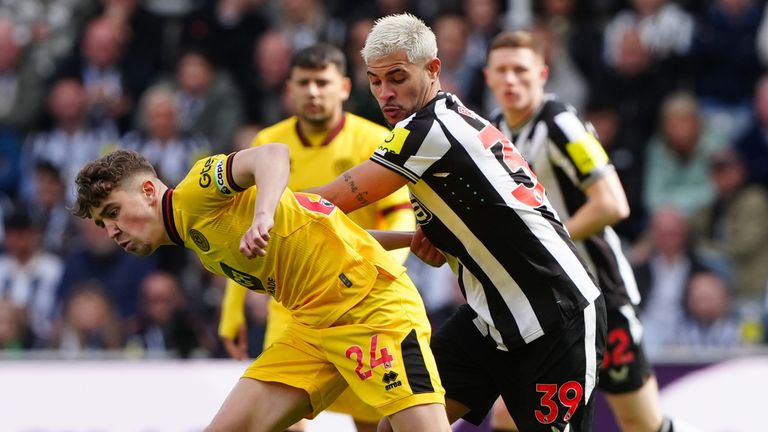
(168, 219)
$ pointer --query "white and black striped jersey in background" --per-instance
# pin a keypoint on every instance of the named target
(477, 201)
(566, 157)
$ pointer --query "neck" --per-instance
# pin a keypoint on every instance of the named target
(163, 238)
(326, 126)
(515, 119)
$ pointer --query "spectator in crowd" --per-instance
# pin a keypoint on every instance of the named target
(676, 168)
(49, 28)
(662, 273)
(307, 22)
(97, 257)
(227, 30)
(48, 206)
(709, 320)
(360, 102)
(14, 333)
(728, 228)
(665, 30)
(264, 94)
(29, 276)
(158, 137)
(113, 84)
(726, 63)
(22, 87)
(165, 326)
(89, 322)
(70, 142)
(10, 160)
(458, 76)
(207, 100)
(753, 144)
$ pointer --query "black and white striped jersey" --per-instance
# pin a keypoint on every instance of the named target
(478, 201)
(567, 158)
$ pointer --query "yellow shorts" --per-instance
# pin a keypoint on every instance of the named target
(379, 350)
(347, 403)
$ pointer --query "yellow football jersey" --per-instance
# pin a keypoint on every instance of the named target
(317, 159)
(318, 263)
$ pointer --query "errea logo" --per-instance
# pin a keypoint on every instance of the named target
(391, 381)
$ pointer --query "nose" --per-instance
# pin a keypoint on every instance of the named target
(112, 229)
(386, 92)
(313, 89)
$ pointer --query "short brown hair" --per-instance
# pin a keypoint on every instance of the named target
(516, 39)
(100, 177)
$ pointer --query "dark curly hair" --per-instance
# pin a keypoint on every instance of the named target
(100, 177)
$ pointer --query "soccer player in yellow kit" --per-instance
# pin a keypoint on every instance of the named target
(324, 141)
(357, 322)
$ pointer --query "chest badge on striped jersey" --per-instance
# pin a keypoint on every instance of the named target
(394, 142)
(200, 240)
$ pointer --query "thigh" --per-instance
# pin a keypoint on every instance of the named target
(466, 359)
(255, 405)
(625, 367)
(557, 376)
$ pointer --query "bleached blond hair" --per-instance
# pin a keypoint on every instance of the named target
(400, 32)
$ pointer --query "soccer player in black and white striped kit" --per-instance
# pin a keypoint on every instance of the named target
(584, 188)
(533, 328)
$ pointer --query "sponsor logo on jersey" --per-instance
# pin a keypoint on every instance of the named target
(200, 240)
(391, 381)
(619, 374)
(394, 142)
(423, 215)
(219, 174)
(242, 278)
(465, 111)
(271, 285)
(205, 177)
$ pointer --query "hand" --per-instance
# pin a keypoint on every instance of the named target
(254, 241)
(423, 248)
(237, 348)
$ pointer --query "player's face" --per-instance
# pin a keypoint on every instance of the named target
(317, 95)
(401, 87)
(516, 76)
(130, 219)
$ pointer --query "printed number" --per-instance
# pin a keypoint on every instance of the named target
(569, 396)
(384, 359)
(321, 205)
(617, 353)
(528, 191)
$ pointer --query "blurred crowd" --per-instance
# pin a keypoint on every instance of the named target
(677, 92)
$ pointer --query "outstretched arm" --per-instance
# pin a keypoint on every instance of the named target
(267, 167)
(606, 205)
(361, 185)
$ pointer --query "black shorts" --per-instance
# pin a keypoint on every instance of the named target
(546, 384)
(625, 367)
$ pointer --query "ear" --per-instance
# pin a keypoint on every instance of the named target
(148, 190)
(433, 68)
(346, 88)
(544, 73)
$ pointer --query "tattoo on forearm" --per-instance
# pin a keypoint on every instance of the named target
(348, 180)
(361, 196)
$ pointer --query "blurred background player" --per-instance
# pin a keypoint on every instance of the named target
(584, 188)
(324, 141)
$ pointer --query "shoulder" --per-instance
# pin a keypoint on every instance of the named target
(277, 131)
